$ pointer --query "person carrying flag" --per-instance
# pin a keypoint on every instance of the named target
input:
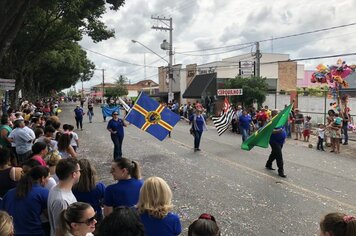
(276, 142)
(116, 129)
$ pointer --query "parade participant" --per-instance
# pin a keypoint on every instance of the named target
(79, 117)
(276, 142)
(338, 224)
(61, 196)
(205, 225)
(245, 121)
(116, 128)
(298, 121)
(262, 118)
(6, 225)
(88, 189)
(27, 201)
(78, 219)
(126, 191)
(9, 176)
(90, 112)
(123, 221)
(197, 121)
(154, 207)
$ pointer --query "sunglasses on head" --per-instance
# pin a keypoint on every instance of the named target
(206, 216)
(89, 221)
(115, 114)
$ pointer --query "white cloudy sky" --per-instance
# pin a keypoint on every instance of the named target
(205, 24)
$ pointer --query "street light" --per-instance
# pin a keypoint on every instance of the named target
(149, 49)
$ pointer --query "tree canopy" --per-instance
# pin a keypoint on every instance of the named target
(120, 88)
(254, 89)
(45, 54)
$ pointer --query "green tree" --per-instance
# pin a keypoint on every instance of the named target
(120, 88)
(254, 89)
(45, 54)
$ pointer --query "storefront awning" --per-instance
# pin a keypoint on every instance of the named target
(200, 85)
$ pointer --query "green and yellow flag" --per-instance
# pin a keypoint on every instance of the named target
(261, 137)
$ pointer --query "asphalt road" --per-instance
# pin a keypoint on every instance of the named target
(229, 183)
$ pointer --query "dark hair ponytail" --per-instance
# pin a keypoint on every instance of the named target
(132, 167)
(26, 182)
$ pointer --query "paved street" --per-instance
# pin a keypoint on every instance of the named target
(230, 183)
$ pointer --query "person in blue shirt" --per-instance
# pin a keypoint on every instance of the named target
(78, 111)
(127, 190)
(88, 189)
(27, 201)
(245, 121)
(116, 129)
(276, 142)
(155, 206)
(197, 121)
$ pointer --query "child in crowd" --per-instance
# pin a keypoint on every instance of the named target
(321, 134)
(74, 142)
(204, 226)
(154, 207)
(338, 224)
(307, 129)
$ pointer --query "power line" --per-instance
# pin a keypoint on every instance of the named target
(210, 54)
(115, 59)
(274, 38)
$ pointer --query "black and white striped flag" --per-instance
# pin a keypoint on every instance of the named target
(222, 122)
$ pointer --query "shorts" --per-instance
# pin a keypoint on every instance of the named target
(306, 133)
(298, 128)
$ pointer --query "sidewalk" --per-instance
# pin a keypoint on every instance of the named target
(345, 150)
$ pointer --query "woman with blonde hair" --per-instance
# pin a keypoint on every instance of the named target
(88, 189)
(6, 224)
(155, 205)
(78, 219)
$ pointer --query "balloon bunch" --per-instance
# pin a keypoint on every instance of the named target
(334, 75)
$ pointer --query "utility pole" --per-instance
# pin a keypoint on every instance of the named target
(170, 47)
(103, 85)
(258, 56)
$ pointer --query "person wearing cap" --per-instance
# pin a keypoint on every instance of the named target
(197, 121)
(116, 129)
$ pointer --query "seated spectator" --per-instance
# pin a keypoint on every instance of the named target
(6, 225)
(154, 207)
(9, 176)
(127, 190)
(88, 189)
(338, 224)
(123, 221)
(204, 226)
(27, 201)
(78, 219)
